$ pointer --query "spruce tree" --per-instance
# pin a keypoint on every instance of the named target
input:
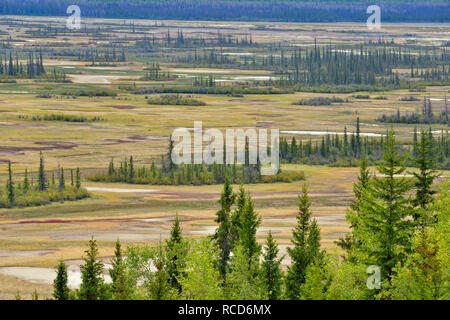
(120, 287)
(359, 188)
(42, 186)
(26, 182)
(77, 179)
(358, 139)
(271, 269)
(223, 232)
(382, 226)
(306, 241)
(174, 251)
(131, 170)
(61, 180)
(424, 178)
(60, 287)
(237, 213)
(91, 287)
(10, 186)
(250, 222)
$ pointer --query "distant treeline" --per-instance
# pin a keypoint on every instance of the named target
(12, 67)
(426, 116)
(349, 148)
(235, 89)
(253, 10)
(175, 100)
(61, 117)
(190, 174)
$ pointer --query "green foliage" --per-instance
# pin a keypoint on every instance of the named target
(249, 223)
(62, 118)
(92, 283)
(202, 280)
(10, 186)
(176, 254)
(223, 236)
(359, 187)
(271, 271)
(45, 192)
(306, 241)
(382, 226)
(60, 288)
(320, 101)
(121, 289)
(317, 280)
(425, 177)
(175, 99)
(244, 280)
(348, 281)
(425, 275)
(190, 174)
(41, 177)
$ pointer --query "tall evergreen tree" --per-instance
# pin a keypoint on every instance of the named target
(26, 182)
(306, 241)
(223, 232)
(77, 179)
(424, 178)
(42, 185)
(60, 287)
(10, 186)
(131, 170)
(382, 226)
(237, 214)
(174, 251)
(61, 180)
(271, 269)
(359, 188)
(120, 286)
(250, 221)
(91, 287)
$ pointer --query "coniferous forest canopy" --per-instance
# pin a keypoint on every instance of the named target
(93, 205)
(250, 10)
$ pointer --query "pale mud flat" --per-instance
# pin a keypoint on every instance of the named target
(97, 79)
(47, 275)
(24, 253)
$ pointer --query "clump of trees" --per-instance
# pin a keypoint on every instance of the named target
(154, 73)
(168, 173)
(12, 67)
(61, 117)
(45, 190)
(426, 116)
(320, 101)
(348, 149)
(175, 99)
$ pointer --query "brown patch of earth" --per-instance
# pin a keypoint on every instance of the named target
(49, 145)
(268, 115)
(121, 107)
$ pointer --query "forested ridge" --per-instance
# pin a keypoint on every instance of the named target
(251, 10)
